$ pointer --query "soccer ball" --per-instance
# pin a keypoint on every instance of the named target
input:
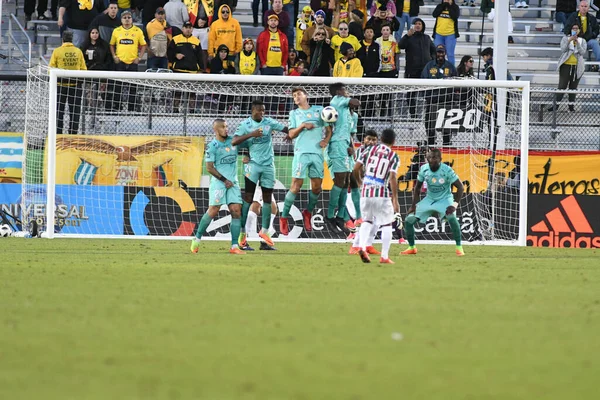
(5, 231)
(329, 114)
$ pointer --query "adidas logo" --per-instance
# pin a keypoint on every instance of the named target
(567, 227)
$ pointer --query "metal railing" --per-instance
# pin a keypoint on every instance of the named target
(12, 40)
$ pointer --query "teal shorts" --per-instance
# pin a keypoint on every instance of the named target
(310, 163)
(218, 194)
(337, 149)
(263, 173)
(428, 207)
(342, 164)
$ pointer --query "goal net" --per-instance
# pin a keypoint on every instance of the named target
(121, 154)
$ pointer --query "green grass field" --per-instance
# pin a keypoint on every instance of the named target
(100, 319)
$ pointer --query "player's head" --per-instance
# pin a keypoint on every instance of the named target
(370, 138)
(258, 110)
(388, 137)
(434, 158)
(300, 96)
(220, 128)
(337, 89)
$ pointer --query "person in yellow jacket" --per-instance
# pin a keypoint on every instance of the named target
(226, 30)
(348, 66)
(343, 36)
(304, 22)
(70, 57)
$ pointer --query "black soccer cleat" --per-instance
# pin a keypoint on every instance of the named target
(247, 248)
(331, 224)
(364, 256)
(340, 223)
(265, 246)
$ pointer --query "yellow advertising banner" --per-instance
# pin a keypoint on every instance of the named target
(128, 160)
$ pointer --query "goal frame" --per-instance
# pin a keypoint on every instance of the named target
(56, 74)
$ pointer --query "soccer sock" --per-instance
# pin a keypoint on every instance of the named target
(266, 216)
(251, 223)
(236, 224)
(342, 209)
(372, 234)
(356, 241)
(289, 201)
(456, 234)
(386, 240)
(355, 193)
(203, 225)
(409, 228)
(273, 216)
(365, 229)
(334, 198)
(245, 209)
(312, 201)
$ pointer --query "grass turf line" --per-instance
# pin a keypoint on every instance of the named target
(98, 319)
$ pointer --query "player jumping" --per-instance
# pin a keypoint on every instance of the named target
(379, 194)
(306, 127)
(439, 199)
(221, 163)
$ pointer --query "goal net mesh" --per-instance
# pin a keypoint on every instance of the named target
(129, 154)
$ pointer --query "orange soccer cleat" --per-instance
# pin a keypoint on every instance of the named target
(350, 226)
(386, 261)
(283, 226)
(410, 250)
(354, 250)
(266, 237)
(459, 251)
(236, 250)
(372, 250)
(306, 220)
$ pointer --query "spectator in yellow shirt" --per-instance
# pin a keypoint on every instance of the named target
(348, 66)
(70, 57)
(343, 36)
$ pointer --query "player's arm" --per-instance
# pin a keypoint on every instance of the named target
(238, 139)
(394, 187)
(294, 132)
(415, 197)
(457, 196)
(328, 133)
(354, 104)
(210, 167)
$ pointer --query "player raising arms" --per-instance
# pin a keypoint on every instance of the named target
(379, 194)
(439, 200)
(340, 151)
(221, 163)
(255, 133)
(306, 128)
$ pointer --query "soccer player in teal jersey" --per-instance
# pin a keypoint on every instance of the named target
(354, 189)
(340, 152)
(306, 128)
(256, 133)
(221, 163)
(439, 199)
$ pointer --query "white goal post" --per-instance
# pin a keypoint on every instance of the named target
(134, 168)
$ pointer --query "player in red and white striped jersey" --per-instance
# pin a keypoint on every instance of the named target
(379, 194)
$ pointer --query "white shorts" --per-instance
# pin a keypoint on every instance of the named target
(202, 35)
(258, 195)
(377, 208)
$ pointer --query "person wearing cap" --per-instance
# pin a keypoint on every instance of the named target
(343, 36)
(310, 32)
(159, 35)
(247, 62)
(272, 48)
(106, 22)
(445, 30)
(348, 66)
(277, 9)
(355, 27)
(304, 22)
(185, 52)
(148, 9)
(69, 57)
(79, 16)
(225, 30)
(176, 14)
(127, 46)
(436, 99)
(406, 12)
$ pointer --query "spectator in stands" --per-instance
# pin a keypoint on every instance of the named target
(355, 27)
(343, 36)
(323, 5)
(389, 56)
(440, 68)
(148, 8)
(388, 5)
(177, 14)
(341, 12)
(185, 56)
(487, 55)
(265, 7)
(382, 17)
(310, 32)
(299, 69)
(69, 57)
(107, 21)
(419, 50)
(272, 48)
(571, 64)
(368, 54)
(465, 67)
(124, 5)
(288, 8)
(42, 9)
(588, 28)
(221, 63)
(445, 30)
(304, 22)
(277, 9)
(127, 47)
(522, 4)
(246, 61)
(96, 52)
(226, 30)
(321, 53)
(564, 9)
(200, 20)
(347, 66)
(218, 3)
(292, 59)
(159, 35)
(79, 15)
(406, 12)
